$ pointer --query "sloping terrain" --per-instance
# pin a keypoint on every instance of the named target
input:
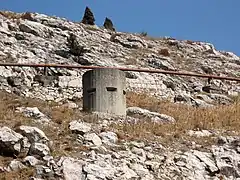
(176, 127)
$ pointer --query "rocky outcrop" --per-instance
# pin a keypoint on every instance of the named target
(154, 116)
(10, 142)
(34, 113)
(76, 48)
(110, 160)
(72, 168)
(128, 41)
(33, 134)
(79, 127)
(45, 39)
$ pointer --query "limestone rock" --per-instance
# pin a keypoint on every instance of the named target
(33, 112)
(98, 172)
(207, 159)
(138, 144)
(109, 137)
(33, 134)
(34, 28)
(183, 98)
(127, 173)
(79, 127)
(31, 161)
(136, 110)
(160, 64)
(139, 169)
(38, 38)
(128, 41)
(44, 172)
(72, 168)
(45, 80)
(227, 160)
(14, 81)
(156, 117)
(221, 99)
(15, 165)
(93, 138)
(39, 149)
(202, 133)
(70, 105)
(69, 82)
(163, 118)
(10, 142)
(75, 45)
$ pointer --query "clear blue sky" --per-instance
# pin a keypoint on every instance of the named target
(214, 21)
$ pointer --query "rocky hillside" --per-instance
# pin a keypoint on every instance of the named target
(176, 128)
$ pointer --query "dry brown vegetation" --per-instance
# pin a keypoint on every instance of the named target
(22, 174)
(221, 118)
(164, 52)
(64, 141)
(9, 103)
(60, 115)
(14, 175)
(136, 55)
(13, 15)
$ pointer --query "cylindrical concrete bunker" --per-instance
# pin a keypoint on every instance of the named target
(104, 90)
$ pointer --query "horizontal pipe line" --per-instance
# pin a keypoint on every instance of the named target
(123, 69)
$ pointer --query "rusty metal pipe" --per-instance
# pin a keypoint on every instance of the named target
(124, 69)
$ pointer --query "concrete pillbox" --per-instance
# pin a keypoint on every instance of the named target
(104, 90)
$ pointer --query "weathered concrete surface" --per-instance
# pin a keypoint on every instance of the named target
(104, 91)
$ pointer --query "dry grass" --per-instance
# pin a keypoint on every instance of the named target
(90, 28)
(60, 115)
(18, 175)
(13, 15)
(136, 56)
(14, 175)
(64, 142)
(164, 52)
(222, 118)
(131, 61)
(9, 103)
(219, 118)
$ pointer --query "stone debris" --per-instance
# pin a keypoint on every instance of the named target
(109, 137)
(33, 134)
(136, 160)
(10, 142)
(70, 105)
(155, 117)
(15, 165)
(31, 161)
(39, 149)
(72, 168)
(93, 138)
(79, 127)
(33, 112)
(202, 133)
